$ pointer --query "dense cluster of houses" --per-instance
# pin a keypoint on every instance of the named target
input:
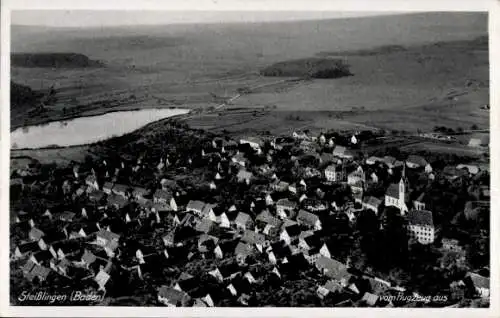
(284, 227)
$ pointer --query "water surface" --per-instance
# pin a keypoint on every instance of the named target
(85, 130)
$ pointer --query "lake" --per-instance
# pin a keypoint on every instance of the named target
(86, 130)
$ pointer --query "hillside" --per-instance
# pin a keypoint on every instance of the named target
(52, 60)
(22, 95)
(308, 68)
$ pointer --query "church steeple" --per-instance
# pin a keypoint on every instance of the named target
(402, 190)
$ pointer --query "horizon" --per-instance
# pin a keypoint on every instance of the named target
(114, 18)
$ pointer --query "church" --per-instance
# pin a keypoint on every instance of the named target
(397, 194)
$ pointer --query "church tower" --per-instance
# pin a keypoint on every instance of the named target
(402, 192)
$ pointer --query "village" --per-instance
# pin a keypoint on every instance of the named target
(186, 218)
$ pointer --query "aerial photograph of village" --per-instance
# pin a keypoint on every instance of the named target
(249, 159)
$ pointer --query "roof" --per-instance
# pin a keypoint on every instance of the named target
(28, 247)
(313, 241)
(253, 237)
(40, 271)
(243, 218)
(36, 233)
(393, 190)
(332, 286)
(479, 281)
(417, 160)
(243, 249)
(42, 256)
(88, 257)
(108, 185)
(118, 187)
(140, 191)
(162, 194)
(292, 230)
(251, 139)
(266, 217)
(108, 235)
(243, 174)
(228, 269)
(207, 208)
(307, 218)
(204, 225)
(420, 217)
(333, 268)
(372, 201)
(339, 150)
(333, 167)
(195, 205)
(173, 295)
(370, 299)
(28, 266)
(286, 203)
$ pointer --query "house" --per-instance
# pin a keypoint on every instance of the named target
(164, 197)
(204, 225)
(171, 297)
(480, 284)
(378, 286)
(414, 162)
(243, 221)
(65, 249)
(243, 251)
(372, 203)
(254, 238)
(238, 286)
(254, 142)
(421, 226)
(370, 299)
(103, 237)
(356, 176)
(330, 287)
(479, 141)
(120, 189)
(195, 206)
(50, 238)
(472, 169)
(225, 249)
(67, 216)
(144, 252)
(39, 272)
(419, 202)
(107, 187)
(334, 173)
(207, 243)
(222, 219)
(285, 208)
(240, 159)
(88, 258)
(290, 233)
(91, 181)
(117, 201)
(280, 186)
(41, 257)
(314, 205)
(300, 135)
(451, 245)
(278, 251)
(342, 153)
(390, 161)
(225, 272)
(373, 160)
(140, 193)
(25, 249)
(326, 249)
(97, 197)
(473, 209)
(244, 176)
(36, 234)
(333, 269)
(186, 283)
(326, 158)
(309, 220)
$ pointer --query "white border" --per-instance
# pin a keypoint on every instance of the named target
(254, 5)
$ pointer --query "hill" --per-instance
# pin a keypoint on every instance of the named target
(52, 60)
(308, 68)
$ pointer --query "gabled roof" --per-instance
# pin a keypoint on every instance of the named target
(108, 235)
(313, 241)
(36, 233)
(204, 225)
(42, 256)
(333, 268)
(229, 269)
(244, 249)
(479, 281)
(287, 203)
(370, 299)
(28, 247)
(372, 201)
(393, 190)
(243, 174)
(266, 217)
(243, 218)
(334, 168)
(174, 296)
(420, 217)
(118, 187)
(292, 230)
(88, 257)
(339, 150)
(417, 160)
(307, 218)
(162, 194)
(195, 205)
(253, 237)
(207, 208)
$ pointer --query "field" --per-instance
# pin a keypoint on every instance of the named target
(401, 78)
